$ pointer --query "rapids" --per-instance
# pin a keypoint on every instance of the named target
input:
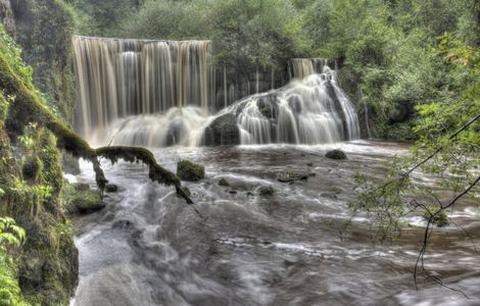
(149, 248)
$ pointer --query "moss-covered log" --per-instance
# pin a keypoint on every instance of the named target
(28, 106)
(135, 154)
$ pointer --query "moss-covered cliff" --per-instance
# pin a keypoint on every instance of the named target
(31, 181)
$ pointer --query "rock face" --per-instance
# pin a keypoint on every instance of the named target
(80, 199)
(222, 131)
(189, 171)
(336, 154)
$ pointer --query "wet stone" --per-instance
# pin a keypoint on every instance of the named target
(265, 191)
(111, 188)
(223, 182)
(336, 154)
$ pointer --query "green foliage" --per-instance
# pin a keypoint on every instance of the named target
(12, 55)
(245, 34)
(11, 236)
(447, 149)
(166, 19)
(10, 233)
(255, 33)
(437, 215)
(102, 18)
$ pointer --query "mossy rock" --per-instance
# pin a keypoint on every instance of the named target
(265, 191)
(223, 182)
(336, 154)
(80, 199)
(189, 171)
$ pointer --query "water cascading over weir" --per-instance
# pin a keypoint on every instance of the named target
(117, 78)
(159, 93)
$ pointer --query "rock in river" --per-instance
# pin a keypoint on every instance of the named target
(189, 171)
(336, 154)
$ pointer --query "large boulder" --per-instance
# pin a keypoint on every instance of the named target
(189, 171)
(222, 131)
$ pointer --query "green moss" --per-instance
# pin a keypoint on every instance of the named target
(4, 105)
(47, 267)
(11, 237)
(189, 171)
(80, 199)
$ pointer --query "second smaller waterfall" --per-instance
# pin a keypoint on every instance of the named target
(314, 110)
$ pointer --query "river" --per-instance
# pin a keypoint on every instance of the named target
(300, 246)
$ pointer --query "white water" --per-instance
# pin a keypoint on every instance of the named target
(303, 112)
(159, 93)
(123, 77)
(314, 110)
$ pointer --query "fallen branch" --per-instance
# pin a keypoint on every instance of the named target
(156, 172)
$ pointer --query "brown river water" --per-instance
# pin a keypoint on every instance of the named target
(293, 248)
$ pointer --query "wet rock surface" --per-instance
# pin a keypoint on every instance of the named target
(336, 154)
(222, 131)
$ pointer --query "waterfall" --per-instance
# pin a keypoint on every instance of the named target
(121, 77)
(161, 93)
(313, 110)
